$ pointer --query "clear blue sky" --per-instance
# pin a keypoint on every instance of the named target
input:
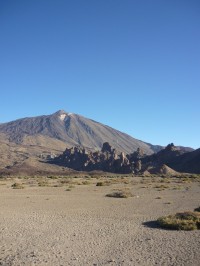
(130, 64)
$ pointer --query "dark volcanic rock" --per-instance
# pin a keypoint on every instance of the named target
(108, 160)
(188, 162)
(106, 147)
(165, 156)
(174, 157)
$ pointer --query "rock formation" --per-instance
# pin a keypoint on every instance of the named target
(108, 160)
(166, 161)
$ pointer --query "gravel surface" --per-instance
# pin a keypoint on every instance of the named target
(52, 226)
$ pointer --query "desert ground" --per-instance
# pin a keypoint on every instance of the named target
(70, 221)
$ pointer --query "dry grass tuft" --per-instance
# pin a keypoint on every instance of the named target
(99, 184)
(43, 184)
(17, 186)
(103, 183)
(120, 194)
(197, 209)
(86, 182)
(181, 221)
(161, 186)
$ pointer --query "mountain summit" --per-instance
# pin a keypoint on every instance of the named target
(67, 129)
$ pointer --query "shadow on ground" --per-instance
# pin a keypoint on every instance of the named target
(152, 224)
(155, 225)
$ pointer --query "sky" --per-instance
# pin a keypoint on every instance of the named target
(131, 64)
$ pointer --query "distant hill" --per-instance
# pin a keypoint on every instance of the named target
(188, 162)
(165, 156)
(177, 158)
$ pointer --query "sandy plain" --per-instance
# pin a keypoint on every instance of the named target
(70, 221)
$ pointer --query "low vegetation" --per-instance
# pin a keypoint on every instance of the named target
(17, 186)
(197, 209)
(120, 194)
(86, 182)
(43, 184)
(116, 181)
(161, 187)
(52, 177)
(181, 221)
(100, 184)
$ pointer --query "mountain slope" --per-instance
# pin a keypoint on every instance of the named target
(62, 128)
(188, 162)
(174, 157)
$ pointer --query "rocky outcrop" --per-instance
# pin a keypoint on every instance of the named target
(165, 156)
(166, 161)
(174, 158)
(108, 160)
(188, 162)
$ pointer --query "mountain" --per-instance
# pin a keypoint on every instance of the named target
(62, 129)
(26, 143)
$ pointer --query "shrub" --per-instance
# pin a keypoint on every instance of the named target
(181, 221)
(197, 209)
(105, 183)
(99, 184)
(52, 177)
(17, 186)
(43, 184)
(86, 182)
(120, 194)
(161, 186)
(65, 181)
